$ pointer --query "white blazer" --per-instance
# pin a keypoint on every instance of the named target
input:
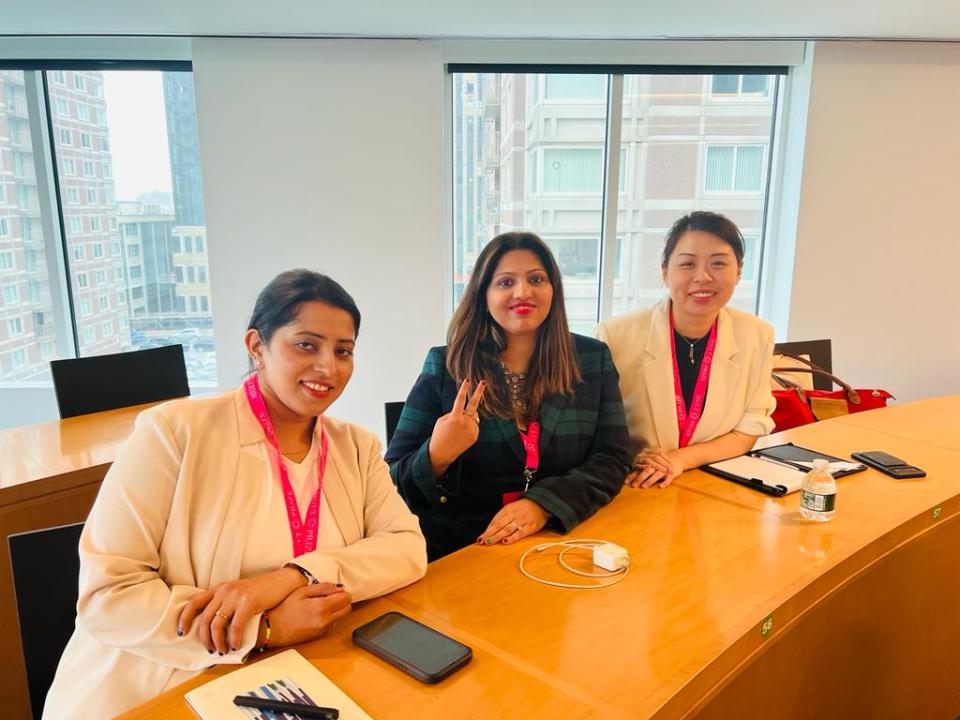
(738, 397)
(172, 518)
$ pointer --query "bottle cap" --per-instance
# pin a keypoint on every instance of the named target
(821, 465)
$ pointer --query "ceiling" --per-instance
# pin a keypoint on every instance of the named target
(634, 19)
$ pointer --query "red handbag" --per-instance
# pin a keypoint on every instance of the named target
(796, 406)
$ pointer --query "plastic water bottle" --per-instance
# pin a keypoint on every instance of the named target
(818, 494)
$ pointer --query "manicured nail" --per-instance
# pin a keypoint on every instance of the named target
(232, 649)
(179, 632)
(220, 654)
(210, 651)
(488, 541)
(340, 585)
(480, 541)
(504, 541)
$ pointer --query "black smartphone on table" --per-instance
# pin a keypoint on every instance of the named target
(887, 463)
(421, 651)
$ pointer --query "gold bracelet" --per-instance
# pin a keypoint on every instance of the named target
(266, 634)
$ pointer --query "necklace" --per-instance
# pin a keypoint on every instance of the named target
(516, 385)
(691, 343)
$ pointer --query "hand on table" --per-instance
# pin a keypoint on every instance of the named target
(652, 466)
(457, 431)
(306, 614)
(514, 522)
(223, 611)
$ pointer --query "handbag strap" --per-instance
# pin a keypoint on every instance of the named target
(851, 394)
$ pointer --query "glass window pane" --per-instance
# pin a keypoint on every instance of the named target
(27, 328)
(719, 168)
(749, 173)
(755, 84)
(139, 164)
(576, 87)
(724, 84)
(524, 161)
(689, 153)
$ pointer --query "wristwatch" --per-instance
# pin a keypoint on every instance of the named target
(311, 580)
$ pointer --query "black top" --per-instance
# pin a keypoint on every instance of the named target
(688, 371)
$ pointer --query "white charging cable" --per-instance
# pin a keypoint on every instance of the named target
(613, 560)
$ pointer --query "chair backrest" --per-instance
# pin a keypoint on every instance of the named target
(105, 382)
(46, 567)
(392, 412)
(820, 353)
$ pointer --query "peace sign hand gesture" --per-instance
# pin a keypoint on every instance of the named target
(455, 432)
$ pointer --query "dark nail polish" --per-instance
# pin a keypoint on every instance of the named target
(210, 651)
(479, 541)
(233, 649)
(220, 654)
(488, 541)
(340, 585)
(179, 632)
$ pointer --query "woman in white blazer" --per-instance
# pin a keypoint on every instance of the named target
(240, 522)
(694, 374)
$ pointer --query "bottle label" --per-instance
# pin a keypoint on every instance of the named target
(816, 502)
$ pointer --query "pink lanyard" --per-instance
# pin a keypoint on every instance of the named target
(687, 421)
(531, 443)
(303, 533)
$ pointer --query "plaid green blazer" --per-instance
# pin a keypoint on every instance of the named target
(585, 452)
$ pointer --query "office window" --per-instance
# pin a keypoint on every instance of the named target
(204, 303)
(89, 335)
(76, 224)
(85, 140)
(199, 244)
(136, 272)
(4, 227)
(101, 117)
(14, 327)
(193, 303)
(106, 328)
(63, 109)
(3, 190)
(18, 358)
(740, 86)
(734, 169)
(118, 274)
(188, 244)
(104, 302)
(60, 77)
(101, 276)
(78, 82)
(201, 274)
(88, 169)
(92, 197)
(676, 154)
(83, 112)
(11, 296)
(104, 144)
(82, 281)
(69, 167)
(133, 250)
(79, 252)
(66, 137)
(95, 227)
(106, 171)
(6, 261)
(73, 195)
(191, 277)
(86, 308)
(47, 350)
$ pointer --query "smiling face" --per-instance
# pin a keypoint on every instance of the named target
(307, 363)
(701, 275)
(520, 294)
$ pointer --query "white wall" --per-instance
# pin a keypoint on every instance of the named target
(327, 155)
(878, 255)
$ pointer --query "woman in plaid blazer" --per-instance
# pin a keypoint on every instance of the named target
(516, 424)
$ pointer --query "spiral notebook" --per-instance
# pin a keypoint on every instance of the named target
(287, 676)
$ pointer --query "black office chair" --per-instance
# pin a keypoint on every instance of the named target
(45, 567)
(820, 353)
(105, 382)
(392, 412)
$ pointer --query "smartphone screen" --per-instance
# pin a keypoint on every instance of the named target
(395, 637)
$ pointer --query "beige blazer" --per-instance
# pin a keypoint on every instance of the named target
(171, 519)
(738, 397)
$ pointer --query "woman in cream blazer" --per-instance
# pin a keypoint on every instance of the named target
(702, 261)
(192, 503)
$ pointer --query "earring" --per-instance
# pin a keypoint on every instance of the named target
(259, 363)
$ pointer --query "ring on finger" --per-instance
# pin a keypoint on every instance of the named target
(225, 617)
(473, 416)
(517, 527)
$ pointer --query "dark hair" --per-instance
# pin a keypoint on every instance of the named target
(711, 222)
(475, 341)
(279, 302)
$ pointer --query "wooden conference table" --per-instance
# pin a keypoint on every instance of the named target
(734, 606)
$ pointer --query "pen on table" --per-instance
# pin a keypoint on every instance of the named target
(278, 706)
(781, 463)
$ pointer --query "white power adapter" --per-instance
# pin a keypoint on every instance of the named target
(611, 557)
